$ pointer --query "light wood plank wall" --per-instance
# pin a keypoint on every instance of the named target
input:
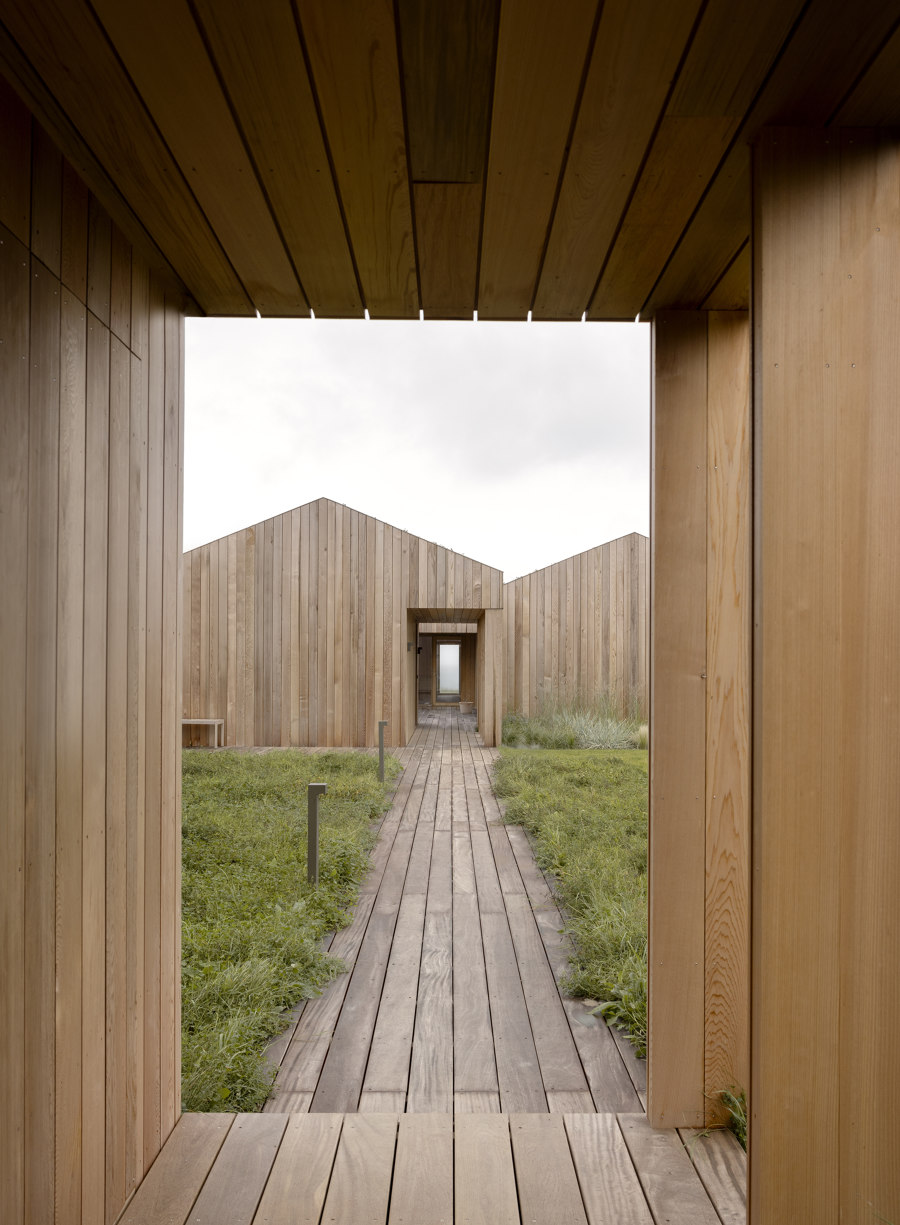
(826, 849)
(90, 502)
(699, 716)
(297, 629)
(579, 630)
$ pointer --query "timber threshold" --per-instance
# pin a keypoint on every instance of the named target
(438, 1169)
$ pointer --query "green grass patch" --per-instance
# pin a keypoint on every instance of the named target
(577, 725)
(251, 925)
(587, 814)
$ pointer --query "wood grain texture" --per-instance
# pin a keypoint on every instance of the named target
(546, 1180)
(727, 1058)
(448, 221)
(670, 1185)
(167, 1194)
(422, 1189)
(614, 127)
(722, 1165)
(702, 757)
(235, 1184)
(448, 67)
(529, 133)
(484, 1177)
(298, 1181)
(589, 664)
(825, 600)
(678, 717)
(352, 53)
(361, 1180)
(15, 331)
(615, 1198)
(77, 842)
(315, 653)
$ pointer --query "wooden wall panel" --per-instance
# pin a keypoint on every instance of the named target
(325, 603)
(86, 757)
(576, 631)
(826, 936)
(699, 713)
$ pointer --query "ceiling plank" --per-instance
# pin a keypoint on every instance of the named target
(685, 155)
(826, 53)
(718, 230)
(829, 52)
(72, 78)
(734, 47)
(193, 116)
(448, 218)
(448, 61)
(540, 62)
(259, 57)
(353, 55)
(638, 48)
(732, 292)
(875, 102)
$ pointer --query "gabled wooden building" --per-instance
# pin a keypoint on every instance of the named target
(579, 631)
(719, 167)
(303, 630)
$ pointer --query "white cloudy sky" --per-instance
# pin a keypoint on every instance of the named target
(517, 444)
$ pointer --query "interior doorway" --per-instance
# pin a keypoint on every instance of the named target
(448, 670)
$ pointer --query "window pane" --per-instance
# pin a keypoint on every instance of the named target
(448, 667)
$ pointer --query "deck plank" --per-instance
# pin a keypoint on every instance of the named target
(548, 1185)
(670, 1183)
(557, 1054)
(298, 1182)
(422, 1191)
(475, 1067)
(521, 1087)
(610, 1186)
(722, 1165)
(360, 1186)
(341, 1078)
(388, 1066)
(235, 1183)
(484, 1177)
(168, 1192)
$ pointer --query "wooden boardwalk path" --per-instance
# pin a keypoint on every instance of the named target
(444, 1078)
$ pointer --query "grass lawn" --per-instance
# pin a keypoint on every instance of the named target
(586, 811)
(251, 924)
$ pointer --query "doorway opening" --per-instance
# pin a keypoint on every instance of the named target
(448, 671)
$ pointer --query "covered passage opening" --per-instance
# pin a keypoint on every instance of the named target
(456, 660)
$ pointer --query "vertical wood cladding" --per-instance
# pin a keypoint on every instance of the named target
(301, 630)
(90, 507)
(699, 716)
(826, 838)
(578, 630)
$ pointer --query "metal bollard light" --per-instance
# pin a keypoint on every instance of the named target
(382, 724)
(313, 792)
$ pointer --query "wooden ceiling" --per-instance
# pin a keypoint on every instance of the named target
(445, 156)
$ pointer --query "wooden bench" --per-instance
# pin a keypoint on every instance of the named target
(215, 724)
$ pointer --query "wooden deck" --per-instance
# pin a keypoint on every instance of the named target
(444, 1078)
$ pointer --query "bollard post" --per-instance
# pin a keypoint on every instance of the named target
(313, 791)
(382, 724)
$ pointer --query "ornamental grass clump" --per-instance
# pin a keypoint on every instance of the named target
(586, 812)
(577, 725)
(251, 924)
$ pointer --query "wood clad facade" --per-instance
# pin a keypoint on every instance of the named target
(301, 630)
(700, 716)
(90, 506)
(826, 1064)
(579, 630)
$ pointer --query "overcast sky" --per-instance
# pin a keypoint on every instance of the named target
(516, 444)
